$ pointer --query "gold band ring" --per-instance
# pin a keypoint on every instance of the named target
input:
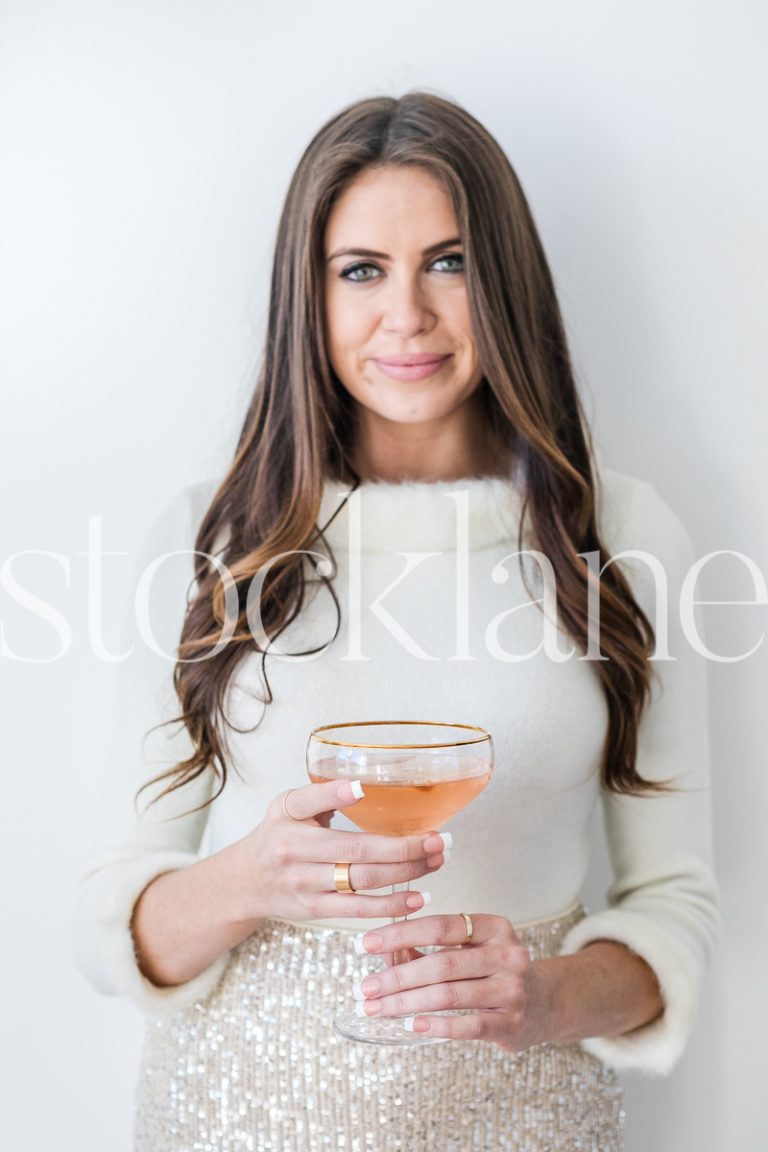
(470, 927)
(341, 878)
(285, 797)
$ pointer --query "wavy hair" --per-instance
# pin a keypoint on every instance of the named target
(298, 428)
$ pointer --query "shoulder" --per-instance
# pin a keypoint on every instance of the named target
(633, 515)
(179, 517)
(174, 524)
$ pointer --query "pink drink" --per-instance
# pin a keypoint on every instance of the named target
(407, 806)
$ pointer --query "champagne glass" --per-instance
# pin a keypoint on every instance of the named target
(416, 775)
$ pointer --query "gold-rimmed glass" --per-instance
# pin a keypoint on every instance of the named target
(416, 775)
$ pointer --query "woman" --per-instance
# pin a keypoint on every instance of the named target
(415, 429)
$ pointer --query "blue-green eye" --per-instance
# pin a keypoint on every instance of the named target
(457, 256)
(347, 274)
(364, 272)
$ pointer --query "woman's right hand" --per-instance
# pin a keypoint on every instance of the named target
(285, 865)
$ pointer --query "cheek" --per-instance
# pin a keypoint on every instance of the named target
(346, 327)
(456, 316)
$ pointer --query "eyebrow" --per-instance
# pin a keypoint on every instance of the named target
(454, 240)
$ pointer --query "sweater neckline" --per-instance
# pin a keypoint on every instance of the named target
(422, 515)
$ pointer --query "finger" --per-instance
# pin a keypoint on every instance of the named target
(311, 877)
(362, 848)
(486, 1024)
(391, 958)
(364, 877)
(307, 844)
(445, 931)
(330, 905)
(450, 997)
(455, 964)
(316, 799)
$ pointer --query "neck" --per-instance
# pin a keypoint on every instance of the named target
(447, 449)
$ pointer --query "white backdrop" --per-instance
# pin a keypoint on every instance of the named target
(146, 148)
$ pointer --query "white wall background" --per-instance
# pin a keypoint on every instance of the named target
(145, 150)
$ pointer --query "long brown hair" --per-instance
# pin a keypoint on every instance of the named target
(298, 428)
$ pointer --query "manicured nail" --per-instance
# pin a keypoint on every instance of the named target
(408, 1023)
(447, 854)
(373, 943)
(357, 990)
(360, 1008)
(424, 1025)
(357, 789)
(359, 946)
(413, 900)
(447, 840)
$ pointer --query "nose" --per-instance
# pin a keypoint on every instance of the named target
(406, 308)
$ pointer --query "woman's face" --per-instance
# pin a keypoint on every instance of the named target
(396, 297)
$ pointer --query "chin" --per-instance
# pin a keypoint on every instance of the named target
(407, 414)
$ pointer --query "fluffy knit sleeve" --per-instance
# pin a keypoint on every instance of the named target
(133, 844)
(663, 902)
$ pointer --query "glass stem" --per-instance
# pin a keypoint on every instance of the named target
(401, 956)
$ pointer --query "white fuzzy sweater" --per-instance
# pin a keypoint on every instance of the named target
(433, 635)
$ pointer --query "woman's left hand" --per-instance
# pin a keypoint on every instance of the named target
(493, 977)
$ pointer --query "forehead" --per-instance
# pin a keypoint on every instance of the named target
(383, 205)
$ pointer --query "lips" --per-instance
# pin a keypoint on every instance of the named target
(415, 366)
(411, 358)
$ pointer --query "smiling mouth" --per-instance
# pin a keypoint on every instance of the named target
(410, 367)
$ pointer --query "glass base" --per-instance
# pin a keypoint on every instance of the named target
(388, 1030)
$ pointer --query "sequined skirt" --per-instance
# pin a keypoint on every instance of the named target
(257, 1066)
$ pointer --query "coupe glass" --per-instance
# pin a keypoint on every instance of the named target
(416, 775)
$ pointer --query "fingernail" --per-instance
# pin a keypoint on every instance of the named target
(357, 789)
(360, 1008)
(447, 854)
(357, 990)
(447, 840)
(373, 943)
(413, 901)
(408, 1023)
(424, 1025)
(359, 946)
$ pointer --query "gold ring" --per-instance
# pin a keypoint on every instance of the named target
(341, 878)
(285, 797)
(470, 927)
